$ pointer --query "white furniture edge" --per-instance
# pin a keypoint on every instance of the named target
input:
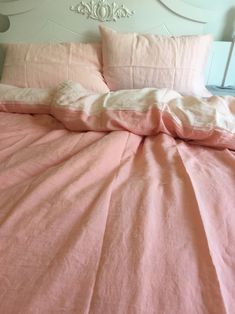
(229, 62)
(188, 11)
(17, 6)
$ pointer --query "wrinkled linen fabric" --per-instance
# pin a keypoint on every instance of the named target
(135, 60)
(47, 64)
(148, 111)
(113, 221)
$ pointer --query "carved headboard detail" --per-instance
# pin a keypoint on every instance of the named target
(102, 10)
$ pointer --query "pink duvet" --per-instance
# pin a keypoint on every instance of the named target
(112, 209)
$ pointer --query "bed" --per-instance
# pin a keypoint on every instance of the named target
(117, 169)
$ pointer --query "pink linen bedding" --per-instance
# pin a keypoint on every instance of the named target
(125, 217)
(135, 60)
(47, 64)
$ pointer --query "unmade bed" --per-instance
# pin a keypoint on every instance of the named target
(117, 182)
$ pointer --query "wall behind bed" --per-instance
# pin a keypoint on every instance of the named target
(52, 20)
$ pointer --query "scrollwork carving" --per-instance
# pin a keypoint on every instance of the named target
(102, 10)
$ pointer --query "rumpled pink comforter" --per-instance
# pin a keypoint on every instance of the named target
(116, 220)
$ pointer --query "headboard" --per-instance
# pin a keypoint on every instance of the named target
(74, 20)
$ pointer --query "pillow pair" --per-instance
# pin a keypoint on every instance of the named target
(127, 60)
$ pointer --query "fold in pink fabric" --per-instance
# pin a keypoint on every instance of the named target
(114, 221)
(149, 111)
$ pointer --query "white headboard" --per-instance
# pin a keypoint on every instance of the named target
(46, 20)
(62, 20)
